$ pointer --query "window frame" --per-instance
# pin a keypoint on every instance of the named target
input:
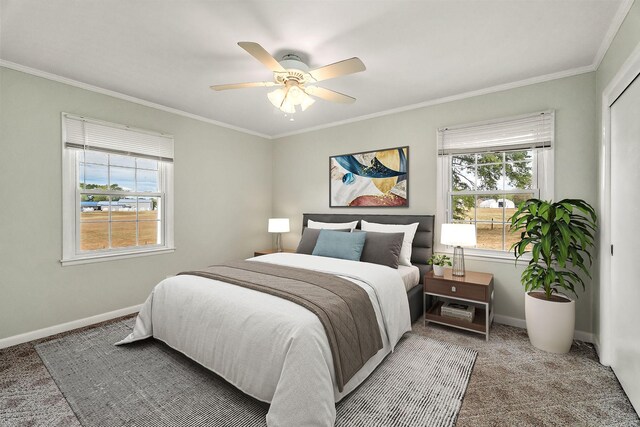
(72, 196)
(543, 172)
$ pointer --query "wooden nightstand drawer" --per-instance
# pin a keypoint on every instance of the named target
(456, 289)
(474, 285)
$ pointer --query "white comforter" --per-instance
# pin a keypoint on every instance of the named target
(268, 347)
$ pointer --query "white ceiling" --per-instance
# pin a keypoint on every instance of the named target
(169, 52)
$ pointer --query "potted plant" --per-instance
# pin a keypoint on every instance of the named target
(438, 261)
(559, 236)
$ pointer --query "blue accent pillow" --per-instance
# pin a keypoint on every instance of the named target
(310, 238)
(338, 244)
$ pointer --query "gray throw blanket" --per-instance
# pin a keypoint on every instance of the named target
(344, 308)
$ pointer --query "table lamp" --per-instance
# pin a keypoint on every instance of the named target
(279, 226)
(458, 235)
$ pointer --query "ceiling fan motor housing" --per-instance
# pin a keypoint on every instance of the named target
(296, 70)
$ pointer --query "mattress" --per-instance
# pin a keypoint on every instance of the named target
(410, 275)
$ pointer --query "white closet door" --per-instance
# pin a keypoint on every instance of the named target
(625, 236)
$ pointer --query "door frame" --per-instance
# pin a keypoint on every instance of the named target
(623, 78)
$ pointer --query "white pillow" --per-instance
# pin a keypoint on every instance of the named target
(409, 233)
(332, 225)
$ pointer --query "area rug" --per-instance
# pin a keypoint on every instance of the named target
(148, 384)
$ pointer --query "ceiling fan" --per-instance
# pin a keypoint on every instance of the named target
(295, 80)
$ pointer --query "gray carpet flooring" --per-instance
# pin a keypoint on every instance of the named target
(512, 384)
(148, 384)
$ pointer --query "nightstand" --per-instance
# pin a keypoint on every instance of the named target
(272, 251)
(474, 287)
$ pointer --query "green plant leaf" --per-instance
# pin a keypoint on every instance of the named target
(563, 253)
(545, 228)
(546, 248)
(535, 253)
(568, 207)
(565, 232)
(543, 211)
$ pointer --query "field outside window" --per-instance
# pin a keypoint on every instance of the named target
(119, 201)
(486, 189)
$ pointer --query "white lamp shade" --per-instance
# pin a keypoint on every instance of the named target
(278, 225)
(458, 234)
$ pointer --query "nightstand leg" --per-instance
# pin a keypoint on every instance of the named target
(424, 308)
(487, 321)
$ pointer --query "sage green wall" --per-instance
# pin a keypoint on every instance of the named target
(623, 44)
(222, 202)
(300, 173)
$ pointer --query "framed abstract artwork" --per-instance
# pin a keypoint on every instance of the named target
(377, 178)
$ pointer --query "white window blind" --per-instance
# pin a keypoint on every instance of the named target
(516, 133)
(89, 134)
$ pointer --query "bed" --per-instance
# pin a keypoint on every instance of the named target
(271, 348)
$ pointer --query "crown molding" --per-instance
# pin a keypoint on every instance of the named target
(616, 23)
(114, 94)
(444, 100)
(465, 95)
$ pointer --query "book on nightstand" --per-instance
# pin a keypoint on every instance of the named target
(458, 310)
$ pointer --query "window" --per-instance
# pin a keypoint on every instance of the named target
(487, 169)
(117, 185)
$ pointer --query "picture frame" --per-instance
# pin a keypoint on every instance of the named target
(372, 179)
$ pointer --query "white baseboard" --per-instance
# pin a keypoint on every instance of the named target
(596, 344)
(69, 326)
(511, 321)
(521, 323)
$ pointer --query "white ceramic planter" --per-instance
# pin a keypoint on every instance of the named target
(438, 270)
(550, 324)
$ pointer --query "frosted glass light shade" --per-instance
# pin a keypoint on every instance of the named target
(286, 99)
(288, 107)
(276, 97)
(295, 95)
(278, 225)
(458, 235)
(307, 102)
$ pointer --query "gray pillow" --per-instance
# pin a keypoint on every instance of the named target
(382, 248)
(335, 244)
(309, 239)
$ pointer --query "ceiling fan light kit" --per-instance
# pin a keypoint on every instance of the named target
(286, 98)
(292, 75)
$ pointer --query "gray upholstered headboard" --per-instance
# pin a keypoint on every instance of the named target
(422, 242)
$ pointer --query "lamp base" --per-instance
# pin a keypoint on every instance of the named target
(279, 242)
(458, 261)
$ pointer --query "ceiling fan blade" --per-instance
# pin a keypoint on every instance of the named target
(243, 85)
(329, 95)
(337, 69)
(258, 52)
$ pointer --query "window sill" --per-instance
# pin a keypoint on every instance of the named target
(490, 256)
(114, 256)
